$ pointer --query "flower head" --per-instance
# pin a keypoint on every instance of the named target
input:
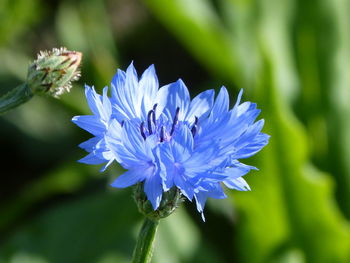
(167, 141)
(53, 71)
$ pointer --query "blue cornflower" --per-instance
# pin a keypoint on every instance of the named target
(165, 140)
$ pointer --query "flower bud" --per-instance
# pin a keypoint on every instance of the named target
(170, 201)
(53, 71)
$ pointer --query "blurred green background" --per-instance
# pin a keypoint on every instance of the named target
(292, 57)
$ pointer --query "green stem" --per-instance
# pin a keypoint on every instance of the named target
(144, 247)
(15, 97)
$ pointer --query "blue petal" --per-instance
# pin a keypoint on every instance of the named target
(253, 147)
(172, 96)
(236, 163)
(106, 165)
(239, 97)
(92, 159)
(200, 203)
(166, 164)
(114, 131)
(221, 104)
(213, 177)
(247, 110)
(203, 159)
(130, 149)
(91, 124)
(182, 143)
(90, 144)
(200, 105)
(185, 187)
(201, 199)
(238, 125)
(153, 189)
(237, 183)
(106, 111)
(132, 91)
(125, 94)
(118, 81)
(99, 105)
(213, 191)
(216, 191)
(93, 99)
(129, 178)
(250, 142)
(235, 172)
(210, 189)
(117, 86)
(228, 130)
(133, 141)
(148, 86)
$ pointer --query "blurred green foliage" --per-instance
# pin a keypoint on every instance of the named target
(292, 57)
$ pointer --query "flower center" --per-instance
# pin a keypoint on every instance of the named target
(161, 130)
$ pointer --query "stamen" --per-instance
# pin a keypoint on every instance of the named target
(162, 134)
(193, 130)
(142, 130)
(175, 120)
(155, 106)
(122, 123)
(195, 120)
(154, 114)
(149, 123)
(194, 127)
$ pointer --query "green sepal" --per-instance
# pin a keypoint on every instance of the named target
(170, 201)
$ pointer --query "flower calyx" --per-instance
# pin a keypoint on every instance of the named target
(53, 71)
(170, 201)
